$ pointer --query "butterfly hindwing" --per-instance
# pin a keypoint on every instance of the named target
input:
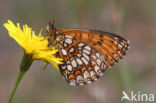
(82, 64)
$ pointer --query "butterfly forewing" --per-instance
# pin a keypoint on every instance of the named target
(111, 46)
(82, 64)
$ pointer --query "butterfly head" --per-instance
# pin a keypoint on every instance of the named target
(51, 27)
(51, 30)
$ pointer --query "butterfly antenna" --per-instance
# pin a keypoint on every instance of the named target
(49, 23)
(54, 19)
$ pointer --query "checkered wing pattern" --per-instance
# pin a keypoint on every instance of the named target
(82, 64)
(88, 53)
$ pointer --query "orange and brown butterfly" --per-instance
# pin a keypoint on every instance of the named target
(86, 54)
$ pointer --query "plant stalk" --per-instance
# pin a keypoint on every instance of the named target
(24, 67)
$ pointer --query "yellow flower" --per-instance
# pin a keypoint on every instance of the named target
(32, 44)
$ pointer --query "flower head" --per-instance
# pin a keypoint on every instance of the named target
(33, 44)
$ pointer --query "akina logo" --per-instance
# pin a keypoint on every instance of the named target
(137, 96)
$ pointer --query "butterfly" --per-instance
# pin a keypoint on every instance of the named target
(86, 54)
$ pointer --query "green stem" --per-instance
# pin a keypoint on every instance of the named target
(24, 67)
(20, 75)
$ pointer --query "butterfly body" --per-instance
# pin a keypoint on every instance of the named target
(86, 54)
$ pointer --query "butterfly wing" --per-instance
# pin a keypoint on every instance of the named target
(111, 46)
(82, 64)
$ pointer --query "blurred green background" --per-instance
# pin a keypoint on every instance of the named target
(133, 19)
